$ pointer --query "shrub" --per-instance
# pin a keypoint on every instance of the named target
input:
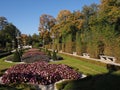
(54, 55)
(48, 53)
(17, 56)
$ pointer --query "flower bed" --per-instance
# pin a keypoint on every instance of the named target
(33, 55)
(39, 73)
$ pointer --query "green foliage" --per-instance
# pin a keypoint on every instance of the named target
(54, 57)
(35, 44)
(8, 46)
(7, 34)
(94, 30)
(17, 56)
(68, 44)
(48, 52)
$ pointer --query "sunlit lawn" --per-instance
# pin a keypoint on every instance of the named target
(4, 65)
(82, 66)
(99, 73)
(100, 79)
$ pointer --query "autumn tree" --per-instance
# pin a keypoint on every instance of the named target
(70, 24)
(63, 15)
(46, 23)
(109, 20)
(24, 38)
(94, 30)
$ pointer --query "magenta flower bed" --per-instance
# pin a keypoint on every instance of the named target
(39, 73)
(33, 52)
(34, 55)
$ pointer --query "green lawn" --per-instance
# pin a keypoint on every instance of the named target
(82, 66)
(101, 79)
(5, 65)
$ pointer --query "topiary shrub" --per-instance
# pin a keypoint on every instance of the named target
(48, 53)
(16, 57)
(54, 57)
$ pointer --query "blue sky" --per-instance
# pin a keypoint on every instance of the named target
(25, 14)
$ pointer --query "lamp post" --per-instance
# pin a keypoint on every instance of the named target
(19, 45)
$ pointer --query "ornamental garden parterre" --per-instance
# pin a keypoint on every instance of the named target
(39, 71)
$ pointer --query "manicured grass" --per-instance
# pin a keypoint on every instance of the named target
(82, 66)
(100, 78)
(5, 65)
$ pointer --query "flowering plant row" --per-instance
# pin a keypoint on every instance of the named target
(39, 73)
(33, 55)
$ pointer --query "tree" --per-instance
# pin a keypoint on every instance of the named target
(29, 40)
(46, 22)
(8, 33)
(3, 22)
(110, 13)
(63, 15)
(24, 38)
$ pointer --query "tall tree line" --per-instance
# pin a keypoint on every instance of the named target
(94, 30)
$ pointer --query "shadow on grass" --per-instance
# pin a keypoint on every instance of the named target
(18, 87)
(5, 87)
(108, 81)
